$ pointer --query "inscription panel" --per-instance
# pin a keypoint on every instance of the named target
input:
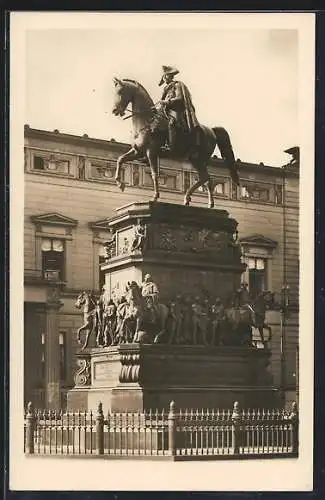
(101, 371)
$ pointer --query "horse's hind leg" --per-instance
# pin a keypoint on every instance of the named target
(210, 193)
(81, 329)
(153, 163)
(86, 341)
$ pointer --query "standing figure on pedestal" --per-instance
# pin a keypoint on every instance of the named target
(122, 332)
(99, 327)
(150, 293)
(138, 242)
(199, 323)
(108, 317)
(218, 312)
(110, 247)
(177, 323)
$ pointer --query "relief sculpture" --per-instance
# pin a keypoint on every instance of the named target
(137, 315)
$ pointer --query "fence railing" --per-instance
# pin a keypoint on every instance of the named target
(179, 435)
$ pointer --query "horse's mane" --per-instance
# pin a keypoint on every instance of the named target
(138, 85)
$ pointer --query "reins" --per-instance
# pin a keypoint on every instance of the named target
(140, 112)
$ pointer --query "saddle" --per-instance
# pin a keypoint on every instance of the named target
(174, 137)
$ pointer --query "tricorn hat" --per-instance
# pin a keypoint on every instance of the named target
(168, 70)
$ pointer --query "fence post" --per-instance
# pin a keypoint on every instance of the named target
(171, 429)
(235, 417)
(100, 430)
(294, 417)
(30, 427)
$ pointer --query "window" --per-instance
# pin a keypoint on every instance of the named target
(219, 188)
(39, 163)
(52, 259)
(244, 192)
(104, 170)
(257, 274)
(52, 164)
(62, 356)
(254, 193)
(168, 179)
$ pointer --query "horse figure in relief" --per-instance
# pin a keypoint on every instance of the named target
(150, 128)
(89, 304)
(136, 323)
(243, 317)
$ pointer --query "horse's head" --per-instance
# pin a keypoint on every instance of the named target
(84, 298)
(133, 291)
(126, 91)
(81, 299)
(122, 97)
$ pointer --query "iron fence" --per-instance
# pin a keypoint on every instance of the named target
(179, 435)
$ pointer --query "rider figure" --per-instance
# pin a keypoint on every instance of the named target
(177, 102)
(218, 312)
(150, 293)
(244, 295)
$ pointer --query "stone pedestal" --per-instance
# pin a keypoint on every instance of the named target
(186, 249)
(191, 252)
(134, 377)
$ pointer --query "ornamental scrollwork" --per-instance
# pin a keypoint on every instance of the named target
(83, 374)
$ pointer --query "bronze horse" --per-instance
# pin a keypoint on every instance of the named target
(135, 321)
(146, 118)
(244, 317)
(88, 302)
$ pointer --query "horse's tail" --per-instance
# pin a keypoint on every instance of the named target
(227, 153)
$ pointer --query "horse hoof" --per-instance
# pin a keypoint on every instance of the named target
(211, 204)
(120, 184)
(187, 201)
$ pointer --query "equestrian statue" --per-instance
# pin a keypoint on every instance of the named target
(172, 121)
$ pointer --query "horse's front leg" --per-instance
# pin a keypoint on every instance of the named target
(81, 329)
(132, 154)
(152, 156)
(137, 329)
(89, 328)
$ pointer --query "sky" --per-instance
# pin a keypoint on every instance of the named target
(242, 79)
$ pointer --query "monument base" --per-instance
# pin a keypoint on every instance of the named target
(137, 377)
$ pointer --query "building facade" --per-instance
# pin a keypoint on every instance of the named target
(70, 192)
